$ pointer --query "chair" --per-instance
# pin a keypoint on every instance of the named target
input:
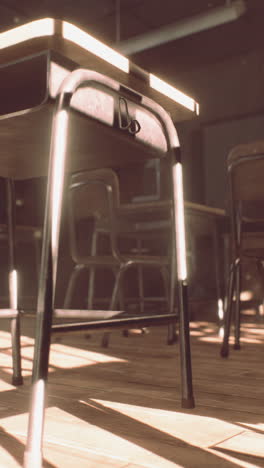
(245, 166)
(95, 196)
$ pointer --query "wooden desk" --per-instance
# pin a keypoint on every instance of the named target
(34, 61)
(201, 222)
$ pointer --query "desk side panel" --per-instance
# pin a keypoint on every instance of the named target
(23, 84)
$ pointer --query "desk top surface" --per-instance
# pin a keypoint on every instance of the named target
(85, 51)
(27, 58)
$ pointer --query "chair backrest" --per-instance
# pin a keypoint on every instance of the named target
(246, 177)
(90, 192)
(246, 168)
(93, 201)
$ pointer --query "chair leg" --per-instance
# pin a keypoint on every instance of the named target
(260, 267)
(73, 278)
(237, 306)
(113, 303)
(172, 327)
(37, 246)
(140, 280)
(91, 283)
(15, 322)
(218, 271)
(228, 312)
(141, 289)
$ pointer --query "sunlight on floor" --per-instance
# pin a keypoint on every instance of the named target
(61, 357)
(177, 424)
(91, 439)
(250, 333)
(126, 433)
(7, 459)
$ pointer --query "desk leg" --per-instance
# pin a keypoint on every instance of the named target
(12, 280)
(47, 281)
(172, 327)
(33, 452)
(180, 248)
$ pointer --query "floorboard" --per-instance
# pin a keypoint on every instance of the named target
(120, 407)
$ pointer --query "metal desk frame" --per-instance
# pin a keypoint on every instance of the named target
(78, 78)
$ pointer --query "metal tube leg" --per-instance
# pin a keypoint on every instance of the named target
(228, 313)
(260, 267)
(237, 306)
(172, 338)
(180, 249)
(172, 334)
(140, 280)
(166, 282)
(113, 303)
(172, 327)
(33, 452)
(37, 244)
(73, 278)
(12, 280)
(218, 276)
(185, 350)
(140, 289)
(91, 283)
(47, 283)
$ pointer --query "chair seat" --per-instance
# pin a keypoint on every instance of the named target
(133, 218)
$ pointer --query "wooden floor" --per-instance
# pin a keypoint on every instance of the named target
(121, 408)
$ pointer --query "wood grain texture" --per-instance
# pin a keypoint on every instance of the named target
(121, 407)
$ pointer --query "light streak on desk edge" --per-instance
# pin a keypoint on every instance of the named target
(46, 27)
(38, 28)
(171, 92)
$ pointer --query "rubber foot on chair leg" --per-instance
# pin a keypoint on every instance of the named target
(17, 381)
(188, 403)
(237, 346)
(224, 353)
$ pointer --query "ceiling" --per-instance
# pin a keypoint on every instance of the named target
(101, 18)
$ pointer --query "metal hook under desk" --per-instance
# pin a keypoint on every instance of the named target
(133, 125)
